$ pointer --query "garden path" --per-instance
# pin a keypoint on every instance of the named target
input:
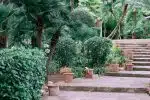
(125, 85)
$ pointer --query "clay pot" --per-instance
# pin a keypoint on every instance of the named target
(68, 77)
(53, 90)
(89, 73)
(129, 67)
(113, 68)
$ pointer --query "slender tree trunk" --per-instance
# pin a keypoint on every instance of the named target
(72, 4)
(40, 26)
(33, 41)
(52, 46)
(119, 22)
(3, 41)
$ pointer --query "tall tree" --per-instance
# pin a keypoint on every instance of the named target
(5, 12)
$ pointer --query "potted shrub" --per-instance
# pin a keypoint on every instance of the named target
(122, 60)
(129, 65)
(88, 73)
(113, 66)
(67, 73)
(65, 53)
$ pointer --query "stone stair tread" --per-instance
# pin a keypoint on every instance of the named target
(141, 62)
(110, 81)
(141, 68)
(148, 67)
(74, 95)
(144, 74)
(141, 58)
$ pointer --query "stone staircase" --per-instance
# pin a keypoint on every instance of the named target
(123, 85)
(141, 58)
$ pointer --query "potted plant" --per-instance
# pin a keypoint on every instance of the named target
(67, 73)
(113, 66)
(88, 73)
(129, 65)
(122, 60)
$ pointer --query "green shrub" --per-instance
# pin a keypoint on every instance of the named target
(99, 70)
(116, 56)
(65, 51)
(53, 67)
(78, 71)
(97, 49)
(83, 15)
(22, 74)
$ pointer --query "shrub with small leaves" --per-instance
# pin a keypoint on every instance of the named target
(97, 49)
(22, 73)
(65, 51)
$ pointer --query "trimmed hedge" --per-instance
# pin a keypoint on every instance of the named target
(22, 74)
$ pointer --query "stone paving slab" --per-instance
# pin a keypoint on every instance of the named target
(98, 96)
(108, 84)
(143, 74)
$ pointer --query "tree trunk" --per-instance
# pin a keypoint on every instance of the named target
(119, 22)
(3, 41)
(52, 46)
(33, 41)
(40, 26)
(72, 4)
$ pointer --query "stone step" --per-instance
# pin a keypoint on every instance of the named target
(135, 48)
(144, 74)
(141, 68)
(141, 59)
(141, 56)
(108, 84)
(141, 53)
(141, 63)
(141, 50)
(82, 95)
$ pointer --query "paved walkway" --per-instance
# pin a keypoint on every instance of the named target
(98, 96)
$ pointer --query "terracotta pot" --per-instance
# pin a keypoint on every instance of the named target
(121, 68)
(53, 90)
(89, 73)
(68, 77)
(113, 68)
(129, 67)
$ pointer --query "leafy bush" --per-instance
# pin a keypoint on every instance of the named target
(116, 56)
(78, 71)
(97, 49)
(65, 51)
(99, 70)
(83, 15)
(53, 67)
(22, 73)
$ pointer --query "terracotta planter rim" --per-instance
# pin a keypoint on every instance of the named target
(129, 64)
(68, 73)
